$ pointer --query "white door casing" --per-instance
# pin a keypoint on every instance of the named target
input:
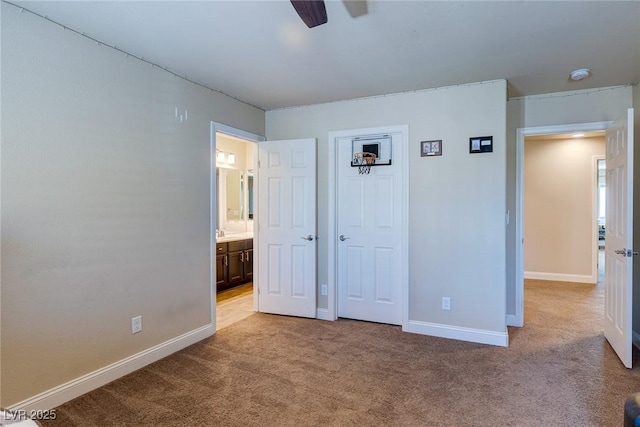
(619, 238)
(517, 317)
(287, 227)
(369, 228)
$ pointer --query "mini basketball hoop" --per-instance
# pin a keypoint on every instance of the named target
(364, 161)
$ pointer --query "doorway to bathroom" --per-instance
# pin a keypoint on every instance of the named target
(233, 215)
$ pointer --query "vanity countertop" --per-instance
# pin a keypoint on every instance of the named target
(232, 237)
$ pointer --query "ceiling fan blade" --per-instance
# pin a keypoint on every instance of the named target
(312, 12)
(356, 7)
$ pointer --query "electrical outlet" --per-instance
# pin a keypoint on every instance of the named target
(136, 324)
(324, 289)
(446, 303)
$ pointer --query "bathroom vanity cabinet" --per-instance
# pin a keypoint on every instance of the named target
(234, 263)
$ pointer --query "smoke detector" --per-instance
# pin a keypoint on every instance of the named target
(580, 74)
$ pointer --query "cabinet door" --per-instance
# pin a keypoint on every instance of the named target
(248, 265)
(235, 267)
(221, 272)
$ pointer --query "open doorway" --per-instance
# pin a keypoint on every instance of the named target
(568, 264)
(560, 206)
(233, 217)
(602, 214)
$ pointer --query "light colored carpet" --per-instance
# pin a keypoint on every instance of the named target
(280, 371)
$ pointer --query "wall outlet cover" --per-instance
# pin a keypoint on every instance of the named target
(136, 324)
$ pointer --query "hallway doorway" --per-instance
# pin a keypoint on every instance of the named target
(553, 270)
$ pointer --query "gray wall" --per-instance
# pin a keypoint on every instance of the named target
(105, 204)
(547, 110)
(456, 214)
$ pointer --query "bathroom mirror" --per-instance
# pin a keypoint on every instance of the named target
(235, 195)
(235, 199)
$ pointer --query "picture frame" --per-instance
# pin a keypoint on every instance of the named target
(431, 148)
(481, 144)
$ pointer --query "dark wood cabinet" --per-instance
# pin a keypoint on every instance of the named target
(236, 263)
(235, 268)
(248, 264)
(221, 266)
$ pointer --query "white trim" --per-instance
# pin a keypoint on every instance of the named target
(323, 314)
(213, 207)
(595, 242)
(521, 133)
(481, 336)
(513, 321)
(561, 277)
(332, 242)
(63, 393)
(250, 137)
(238, 133)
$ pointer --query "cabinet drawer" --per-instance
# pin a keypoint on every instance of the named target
(221, 248)
(240, 245)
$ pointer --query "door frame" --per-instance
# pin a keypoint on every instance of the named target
(517, 319)
(596, 198)
(331, 312)
(213, 207)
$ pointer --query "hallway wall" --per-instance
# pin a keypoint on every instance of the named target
(559, 200)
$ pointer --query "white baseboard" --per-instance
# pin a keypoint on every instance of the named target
(91, 381)
(459, 333)
(323, 314)
(513, 321)
(561, 277)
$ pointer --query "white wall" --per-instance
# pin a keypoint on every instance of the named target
(105, 204)
(586, 106)
(457, 200)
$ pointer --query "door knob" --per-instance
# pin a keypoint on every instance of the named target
(626, 252)
(342, 238)
(309, 237)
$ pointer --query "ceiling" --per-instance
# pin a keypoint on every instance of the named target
(261, 53)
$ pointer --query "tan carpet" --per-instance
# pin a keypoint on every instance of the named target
(280, 371)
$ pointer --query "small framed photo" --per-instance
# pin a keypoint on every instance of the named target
(431, 148)
(481, 144)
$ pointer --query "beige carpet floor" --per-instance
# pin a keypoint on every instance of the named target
(278, 371)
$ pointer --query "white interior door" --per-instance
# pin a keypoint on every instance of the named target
(619, 238)
(369, 225)
(287, 227)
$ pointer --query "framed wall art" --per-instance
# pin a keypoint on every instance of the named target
(481, 144)
(431, 148)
